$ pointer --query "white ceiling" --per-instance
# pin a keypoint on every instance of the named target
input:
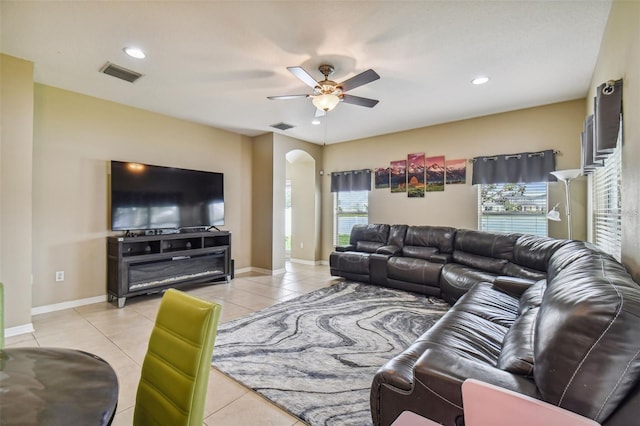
(215, 62)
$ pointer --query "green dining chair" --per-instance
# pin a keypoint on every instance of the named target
(175, 370)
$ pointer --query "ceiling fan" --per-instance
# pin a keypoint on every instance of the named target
(327, 93)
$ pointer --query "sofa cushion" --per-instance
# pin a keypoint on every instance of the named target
(368, 246)
(482, 263)
(489, 244)
(352, 262)
(397, 235)
(414, 270)
(532, 297)
(419, 252)
(533, 252)
(440, 237)
(377, 233)
(490, 304)
(516, 355)
(519, 271)
(456, 280)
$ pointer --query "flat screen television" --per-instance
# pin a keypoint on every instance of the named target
(146, 197)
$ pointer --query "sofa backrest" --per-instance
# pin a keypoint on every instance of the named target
(425, 241)
(487, 251)
(369, 237)
(397, 234)
(531, 255)
(587, 332)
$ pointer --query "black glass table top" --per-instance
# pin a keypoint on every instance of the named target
(55, 386)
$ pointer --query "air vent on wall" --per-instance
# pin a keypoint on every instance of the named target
(282, 126)
(120, 72)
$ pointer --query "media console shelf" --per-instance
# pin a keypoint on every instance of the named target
(148, 264)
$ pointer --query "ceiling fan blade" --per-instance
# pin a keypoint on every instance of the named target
(359, 80)
(287, 97)
(357, 100)
(320, 113)
(304, 76)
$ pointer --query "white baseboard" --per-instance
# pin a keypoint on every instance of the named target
(282, 270)
(18, 330)
(242, 270)
(266, 271)
(306, 262)
(67, 305)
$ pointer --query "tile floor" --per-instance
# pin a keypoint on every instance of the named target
(120, 336)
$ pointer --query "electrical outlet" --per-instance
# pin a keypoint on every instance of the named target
(59, 275)
(301, 245)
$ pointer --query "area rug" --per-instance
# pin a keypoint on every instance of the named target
(315, 356)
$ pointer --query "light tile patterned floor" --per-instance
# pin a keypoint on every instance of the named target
(120, 336)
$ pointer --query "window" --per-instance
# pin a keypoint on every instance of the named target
(351, 208)
(513, 207)
(607, 209)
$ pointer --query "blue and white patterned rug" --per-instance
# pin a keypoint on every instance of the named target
(316, 355)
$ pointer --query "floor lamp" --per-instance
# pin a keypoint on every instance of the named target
(565, 176)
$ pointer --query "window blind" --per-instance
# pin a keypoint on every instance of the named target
(351, 208)
(607, 208)
(513, 207)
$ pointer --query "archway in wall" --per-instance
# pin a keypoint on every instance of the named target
(300, 211)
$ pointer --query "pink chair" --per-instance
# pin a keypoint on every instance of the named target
(488, 405)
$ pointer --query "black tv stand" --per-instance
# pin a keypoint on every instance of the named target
(214, 227)
(151, 263)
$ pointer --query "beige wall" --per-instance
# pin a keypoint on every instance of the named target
(74, 138)
(262, 190)
(16, 164)
(269, 179)
(620, 58)
(301, 172)
(282, 145)
(554, 126)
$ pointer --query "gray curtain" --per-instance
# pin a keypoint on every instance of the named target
(589, 163)
(352, 180)
(525, 167)
(608, 113)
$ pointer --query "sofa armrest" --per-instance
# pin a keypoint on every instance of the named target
(441, 258)
(444, 372)
(513, 286)
(345, 248)
(390, 250)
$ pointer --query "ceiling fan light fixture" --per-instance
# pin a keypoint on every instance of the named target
(135, 52)
(325, 102)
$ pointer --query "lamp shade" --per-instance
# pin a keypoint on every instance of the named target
(325, 102)
(554, 214)
(565, 175)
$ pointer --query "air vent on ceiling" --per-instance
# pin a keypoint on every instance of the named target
(120, 72)
(282, 126)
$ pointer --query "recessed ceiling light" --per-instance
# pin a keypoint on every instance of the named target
(315, 121)
(134, 52)
(479, 80)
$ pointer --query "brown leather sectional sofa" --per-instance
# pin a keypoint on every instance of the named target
(557, 320)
